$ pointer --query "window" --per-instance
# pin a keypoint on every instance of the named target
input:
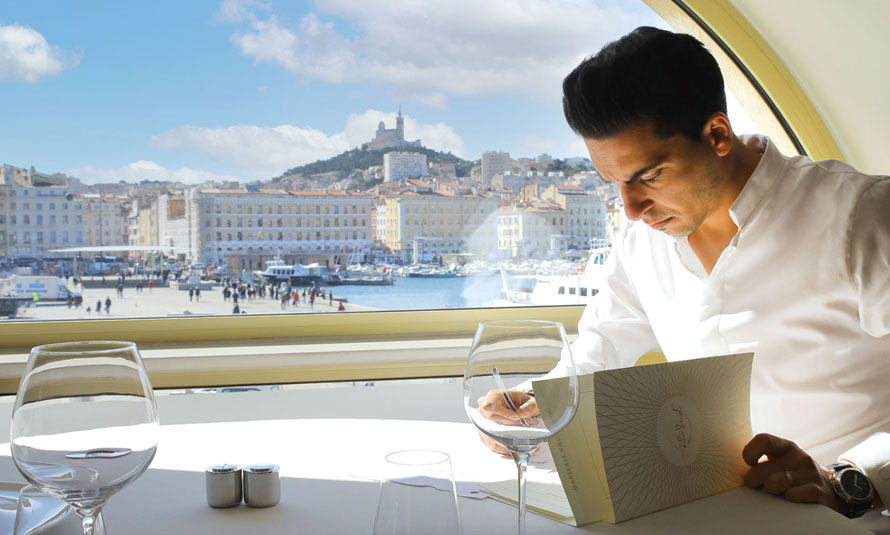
(463, 226)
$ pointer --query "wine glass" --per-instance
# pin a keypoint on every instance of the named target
(84, 423)
(505, 358)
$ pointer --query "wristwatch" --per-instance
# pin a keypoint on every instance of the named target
(851, 486)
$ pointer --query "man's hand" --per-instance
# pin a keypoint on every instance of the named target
(494, 407)
(789, 472)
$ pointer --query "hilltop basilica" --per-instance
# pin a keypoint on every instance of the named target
(391, 138)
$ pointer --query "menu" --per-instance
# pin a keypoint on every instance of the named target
(651, 437)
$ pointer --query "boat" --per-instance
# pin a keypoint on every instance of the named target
(361, 275)
(370, 280)
(432, 273)
(554, 287)
(277, 271)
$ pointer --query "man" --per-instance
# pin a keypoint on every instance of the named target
(733, 247)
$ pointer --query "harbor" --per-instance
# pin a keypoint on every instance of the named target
(163, 301)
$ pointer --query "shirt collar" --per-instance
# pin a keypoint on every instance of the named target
(771, 166)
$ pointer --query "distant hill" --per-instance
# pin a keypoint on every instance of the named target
(344, 164)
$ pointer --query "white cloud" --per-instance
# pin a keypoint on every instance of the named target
(314, 50)
(233, 11)
(429, 49)
(263, 152)
(260, 152)
(25, 55)
(144, 170)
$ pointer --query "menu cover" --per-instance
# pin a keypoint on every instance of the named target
(651, 437)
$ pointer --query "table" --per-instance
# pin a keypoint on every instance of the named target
(329, 443)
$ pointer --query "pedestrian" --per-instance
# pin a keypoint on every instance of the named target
(198, 293)
(88, 311)
(236, 309)
(107, 305)
(98, 306)
(341, 308)
(312, 300)
(191, 293)
(151, 285)
(330, 297)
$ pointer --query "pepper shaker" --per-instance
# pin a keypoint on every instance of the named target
(223, 485)
(262, 486)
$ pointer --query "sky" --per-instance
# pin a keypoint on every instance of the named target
(245, 89)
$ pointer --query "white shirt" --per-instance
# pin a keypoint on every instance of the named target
(804, 284)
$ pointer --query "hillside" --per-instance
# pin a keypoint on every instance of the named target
(344, 164)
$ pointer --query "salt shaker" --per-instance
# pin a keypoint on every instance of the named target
(262, 486)
(223, 485)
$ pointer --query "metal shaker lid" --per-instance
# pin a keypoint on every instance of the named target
(261, 468)
(224, 468)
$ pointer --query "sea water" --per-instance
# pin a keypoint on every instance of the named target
(413, 293)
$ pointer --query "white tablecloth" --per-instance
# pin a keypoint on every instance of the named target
(328, 465)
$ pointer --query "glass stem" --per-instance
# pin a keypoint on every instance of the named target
(90, 520)
(521, 464)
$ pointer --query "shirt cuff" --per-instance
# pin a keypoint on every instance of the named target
(872, 456)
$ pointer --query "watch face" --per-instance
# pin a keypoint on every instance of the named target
(855, 484)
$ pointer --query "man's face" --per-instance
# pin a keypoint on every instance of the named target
(670, 184)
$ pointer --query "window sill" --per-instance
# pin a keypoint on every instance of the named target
(222, 350)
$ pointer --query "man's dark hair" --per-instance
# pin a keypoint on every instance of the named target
(649, 74)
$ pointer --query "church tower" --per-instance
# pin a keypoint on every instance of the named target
(400, 125)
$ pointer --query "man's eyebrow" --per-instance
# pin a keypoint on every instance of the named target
(636, 176)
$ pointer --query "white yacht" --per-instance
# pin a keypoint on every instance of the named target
(576, 288)
(277, 271)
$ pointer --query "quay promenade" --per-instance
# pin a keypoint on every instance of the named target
(166, 301)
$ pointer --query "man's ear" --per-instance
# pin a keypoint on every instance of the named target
(717, 133)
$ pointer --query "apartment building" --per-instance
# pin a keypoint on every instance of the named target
(494, 163)
(424, 221)
(105, 220)
(37, 215)
(585, 213)
(531, 231)
(401, 165)
(245, 227)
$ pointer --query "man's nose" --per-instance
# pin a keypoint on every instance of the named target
(636, 202)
